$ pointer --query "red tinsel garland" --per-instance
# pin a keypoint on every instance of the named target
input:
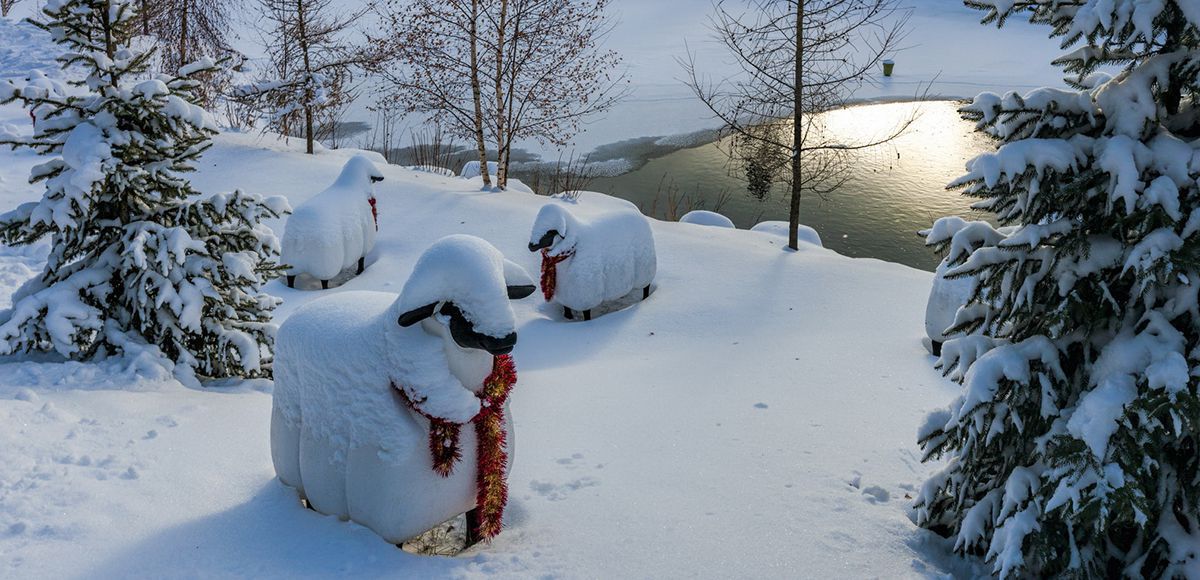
(374, 213)
(491, 460)
(550, 271)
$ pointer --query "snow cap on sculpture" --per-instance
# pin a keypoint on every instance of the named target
(358, 174)
(472, 275)
(552, 230)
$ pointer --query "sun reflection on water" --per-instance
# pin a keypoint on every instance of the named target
(893, 190)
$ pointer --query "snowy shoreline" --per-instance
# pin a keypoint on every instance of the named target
(614, 165)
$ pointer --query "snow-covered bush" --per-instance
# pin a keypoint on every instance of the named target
(703, 217)
(586, 263)
(471, 169)
(1073, 447)
(365, 381)
(335, 229)
(136, 255)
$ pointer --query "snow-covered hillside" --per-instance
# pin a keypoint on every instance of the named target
(755, 417)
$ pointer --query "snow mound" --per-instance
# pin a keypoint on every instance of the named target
(780, 228)
(702, 217)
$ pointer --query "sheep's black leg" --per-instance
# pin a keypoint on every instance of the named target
(473, 528)
(587, 315)
(937, 348)
(324, 284)
(646, 292)
(362, 264)
(567, 313)
(291, 281)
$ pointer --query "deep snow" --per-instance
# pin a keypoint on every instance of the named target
(754, 417)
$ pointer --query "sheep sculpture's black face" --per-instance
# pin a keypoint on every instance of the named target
(546, 241)
(376, 178)
(461, 329)
(465, 336)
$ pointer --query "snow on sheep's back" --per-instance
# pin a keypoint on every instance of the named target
(755, 417)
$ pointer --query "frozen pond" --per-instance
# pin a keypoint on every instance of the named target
(893, 190)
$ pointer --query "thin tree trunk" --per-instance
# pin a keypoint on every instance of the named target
(302, 33)
(501, 165)
(794, 214)
(183, 32)
(1173, 95)
(480, 144)
(109, 45)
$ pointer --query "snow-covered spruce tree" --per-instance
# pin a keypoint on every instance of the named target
(1073, 448)
(137, 259)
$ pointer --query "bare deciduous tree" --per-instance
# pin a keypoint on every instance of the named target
(311, 66)
(795, 60)
(550, 71)
(540, 62)
(6, 6)
(429, 54)
(187, 31)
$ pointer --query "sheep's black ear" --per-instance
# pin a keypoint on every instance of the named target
(518, 281)
(519, 292)
(416, 315)
(376, 179)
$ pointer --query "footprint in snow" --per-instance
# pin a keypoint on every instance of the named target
(876, 494)
(559, 491)
(570, 462)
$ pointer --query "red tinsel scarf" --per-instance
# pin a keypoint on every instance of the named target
(491, 460)
(550, 271)
(374, 213)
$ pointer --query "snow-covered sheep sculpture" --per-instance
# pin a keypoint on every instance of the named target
(949, 294)
(336, 228)
(372, 392)
(586, 263)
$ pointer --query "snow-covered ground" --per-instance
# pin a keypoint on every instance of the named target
(754, 418)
